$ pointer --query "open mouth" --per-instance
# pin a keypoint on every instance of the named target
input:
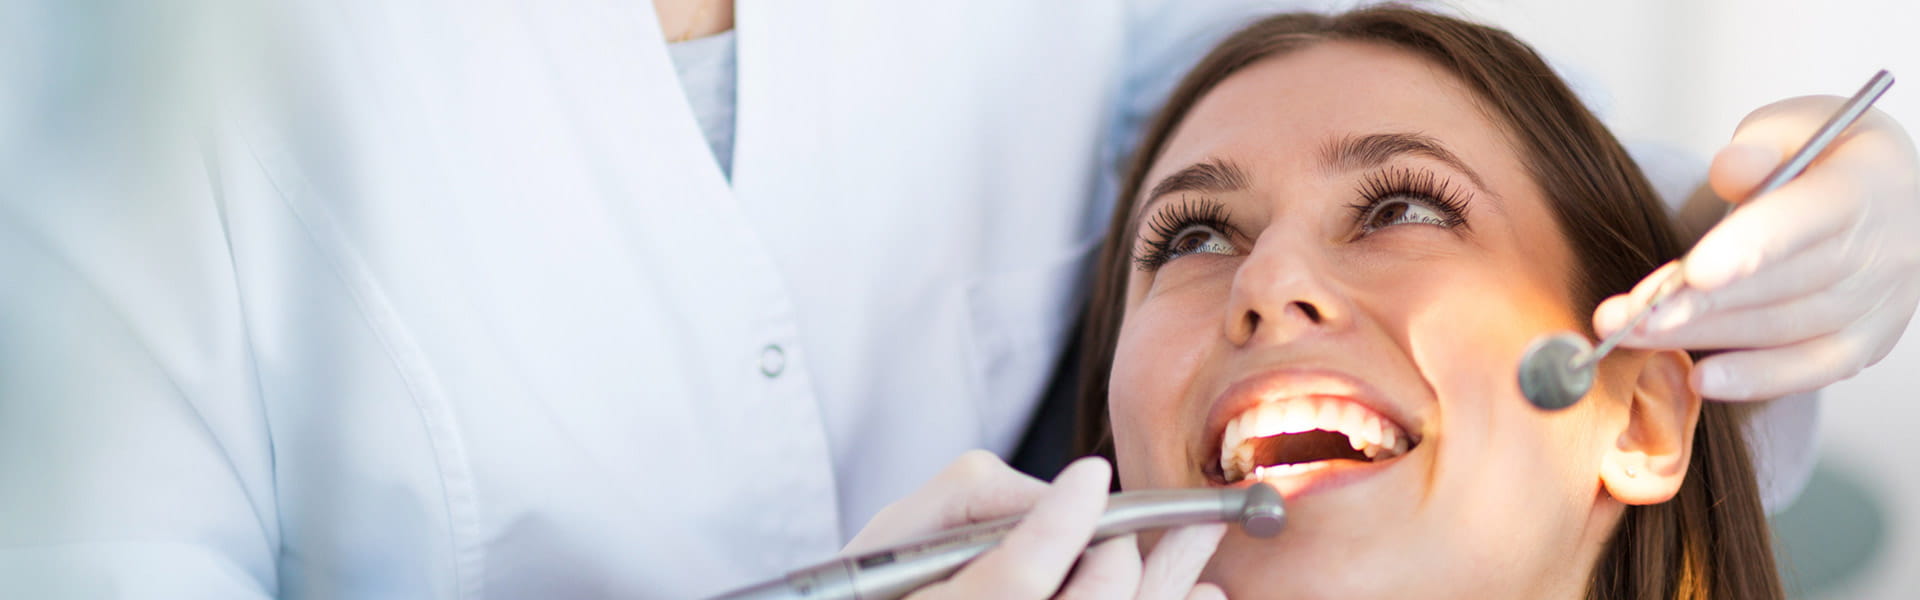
(1296, 435)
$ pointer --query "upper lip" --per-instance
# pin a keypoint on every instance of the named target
(1285, 383)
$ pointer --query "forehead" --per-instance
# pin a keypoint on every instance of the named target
(1282, 110)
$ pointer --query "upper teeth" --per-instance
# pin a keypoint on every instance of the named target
(1366, 430)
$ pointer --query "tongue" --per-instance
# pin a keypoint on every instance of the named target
(1304, 447)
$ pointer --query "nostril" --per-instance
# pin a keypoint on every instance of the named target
(1306, 308)
(1253, 321)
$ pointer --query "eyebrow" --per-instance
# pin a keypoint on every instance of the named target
(1347, 153)
(1213, 176)
(1372, 150)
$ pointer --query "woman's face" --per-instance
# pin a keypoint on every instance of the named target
(1342, 239)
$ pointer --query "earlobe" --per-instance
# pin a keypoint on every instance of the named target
(1648, 460)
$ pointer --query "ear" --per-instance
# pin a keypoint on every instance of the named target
(1649, 459)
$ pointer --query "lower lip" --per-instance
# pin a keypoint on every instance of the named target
(1333, 475)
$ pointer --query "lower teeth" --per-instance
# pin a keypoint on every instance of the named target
(1285, 470)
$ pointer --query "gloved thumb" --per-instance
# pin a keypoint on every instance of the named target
(1763, 139)
(1739, 168)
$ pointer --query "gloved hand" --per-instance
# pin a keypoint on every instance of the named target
(1035, 558)
(1807, 285)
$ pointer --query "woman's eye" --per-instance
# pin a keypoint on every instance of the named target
(1401, 210)
(1190, 227)
(1198, 239)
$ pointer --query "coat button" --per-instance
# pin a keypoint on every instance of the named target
(773, 360)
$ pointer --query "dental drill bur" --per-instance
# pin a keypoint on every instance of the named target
(1557, 369)
(898, 571)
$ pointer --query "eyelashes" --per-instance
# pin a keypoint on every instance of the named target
(1387, 198)
(1381, 190)
(1165, 226)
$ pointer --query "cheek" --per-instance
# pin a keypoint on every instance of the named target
(1467, 335)
(1164, 342)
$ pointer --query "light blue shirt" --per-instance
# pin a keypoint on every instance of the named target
(706, 67)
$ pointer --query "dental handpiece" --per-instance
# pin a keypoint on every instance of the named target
(1556, 370)
(899, 570)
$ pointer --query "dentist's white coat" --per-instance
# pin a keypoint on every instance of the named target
(454, 302)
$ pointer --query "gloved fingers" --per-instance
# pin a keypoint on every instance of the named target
(1207, 591)
(973, 488)
(1773, 372)
(1821, 266)
(1691, 320)
(1174, 564)
(1034, 557)
(1850, 211)
(1777, 371)
(1109, 570)
(1864, 180)
(1768, 135)
(1822, 203)
(1613, 313)
(979, 487)
(1826, 266)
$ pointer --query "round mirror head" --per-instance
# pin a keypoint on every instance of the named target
(1547, 376)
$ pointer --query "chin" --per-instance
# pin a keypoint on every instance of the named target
(1252, 569)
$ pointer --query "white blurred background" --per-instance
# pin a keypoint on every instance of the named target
(1683, 73)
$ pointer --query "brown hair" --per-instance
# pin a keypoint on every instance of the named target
(1710, 540)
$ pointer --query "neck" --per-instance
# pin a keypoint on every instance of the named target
(682, 20)
(1602, 524)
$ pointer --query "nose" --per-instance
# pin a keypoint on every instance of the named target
(1281, 294)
